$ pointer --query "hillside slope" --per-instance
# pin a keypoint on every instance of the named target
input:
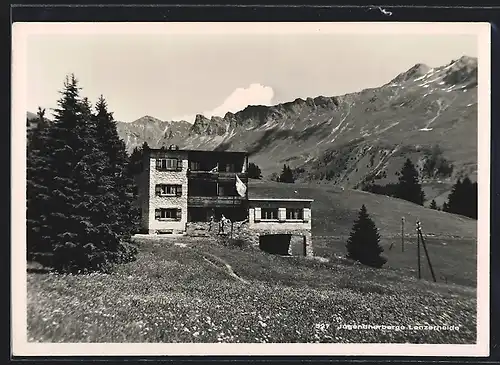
(334, 210)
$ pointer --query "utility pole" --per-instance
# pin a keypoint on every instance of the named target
(419, 229)
(402, 234)
(418, 251)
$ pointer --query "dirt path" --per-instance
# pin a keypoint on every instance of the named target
(229, 268)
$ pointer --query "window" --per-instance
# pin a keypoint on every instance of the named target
(269, 213)
(168, 214)
(229, 167)
(168, 164)
(195, 165)
(168, 190)
(294, 213)
(227, 190)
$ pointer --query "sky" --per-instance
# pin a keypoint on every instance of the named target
(176, 76)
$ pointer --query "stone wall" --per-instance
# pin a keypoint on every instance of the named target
(179, 202)
(252, 235)
(242, 230)
(202, 229)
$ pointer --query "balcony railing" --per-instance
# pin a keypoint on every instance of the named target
(215, 201)
(222, 175)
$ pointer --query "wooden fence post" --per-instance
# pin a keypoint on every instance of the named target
(402, 234)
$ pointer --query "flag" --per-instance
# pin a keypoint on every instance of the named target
(215, 169)
(240, 187)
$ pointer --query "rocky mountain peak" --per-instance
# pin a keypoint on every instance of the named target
(412, 73)
(200, 119)
(461, 71)
(147, 119)
(204, 126)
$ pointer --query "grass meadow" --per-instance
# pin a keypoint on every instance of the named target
(454, 260)
(183, 289)
(192, 290)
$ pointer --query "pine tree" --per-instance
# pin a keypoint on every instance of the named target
(469, 198)
(114, 147)
(37, 190)
(290, 174)
(79, 205)
(433, 205)
(135, 160)
(463, 199)
(286, 175)
(254, 171)
(363, 244)
(473, 201)
(81, 189)
(409, 187)
(455, 198)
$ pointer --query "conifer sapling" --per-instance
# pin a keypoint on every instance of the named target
(363, 244)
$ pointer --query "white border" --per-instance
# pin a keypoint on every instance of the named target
(20, 345)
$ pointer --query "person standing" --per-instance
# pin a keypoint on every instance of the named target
(221, 224)
(211, 222)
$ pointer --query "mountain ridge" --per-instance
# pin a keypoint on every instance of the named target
(346, 140)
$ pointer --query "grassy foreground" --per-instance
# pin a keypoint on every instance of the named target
(191, 290)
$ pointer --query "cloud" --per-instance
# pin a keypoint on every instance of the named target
(255, 94)
(240, 98)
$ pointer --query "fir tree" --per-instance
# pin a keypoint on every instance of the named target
(409, 187)
(363, 244)
(114, 147)
(37, 190)
(136, 159)
(469, 198)
(82, 190)
(254, 171)
(286, 175)
(462, 199)
(111, 143)
(80, 223)
(433, 205)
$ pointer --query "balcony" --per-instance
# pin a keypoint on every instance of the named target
(215, 201)
(216, 176)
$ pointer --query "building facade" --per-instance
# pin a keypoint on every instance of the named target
(181, 186)
(187, 191)
(281, 222)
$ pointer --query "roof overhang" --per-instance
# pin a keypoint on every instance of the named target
(282, 199)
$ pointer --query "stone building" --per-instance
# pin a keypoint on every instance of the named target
(281, 225)
(193, 192)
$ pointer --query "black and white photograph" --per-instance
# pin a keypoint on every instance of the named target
(251, 188)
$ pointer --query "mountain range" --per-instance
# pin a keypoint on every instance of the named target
(349, 139)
